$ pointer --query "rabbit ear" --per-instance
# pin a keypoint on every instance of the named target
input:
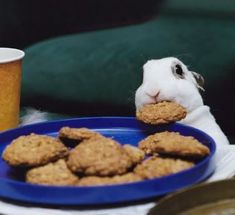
(199, 80)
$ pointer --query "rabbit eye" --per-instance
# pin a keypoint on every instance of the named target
(178, 71)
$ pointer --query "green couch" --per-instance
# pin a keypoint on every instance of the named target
(97, 72)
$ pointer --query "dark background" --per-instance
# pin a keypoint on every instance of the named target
(25, 22)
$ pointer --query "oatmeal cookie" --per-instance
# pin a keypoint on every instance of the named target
(155, 167)
(99, 156)
(33, 150)
(118, 179)
(161, 113)
(136, 154)
(94, 181)
(172, 143)
(56, 173)
(77, 134)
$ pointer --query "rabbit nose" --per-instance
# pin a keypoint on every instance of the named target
(154, 97)
(157, 95)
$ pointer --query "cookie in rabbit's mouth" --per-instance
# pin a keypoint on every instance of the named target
(161, 113)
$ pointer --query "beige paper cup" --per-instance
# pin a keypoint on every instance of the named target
(10, 86)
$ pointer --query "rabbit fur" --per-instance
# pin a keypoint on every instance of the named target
(33, 116)
(169, 79)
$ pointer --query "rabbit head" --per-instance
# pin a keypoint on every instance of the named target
(168, 79)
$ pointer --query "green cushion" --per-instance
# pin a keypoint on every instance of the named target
(201, 7)
(97, 73)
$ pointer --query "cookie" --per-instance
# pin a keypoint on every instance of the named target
(94, 181)
(172, 143)
(119, 179)
(56, 174)
(34, 150)
(155, 167)
(161, 113)
(101, 157)
(136, 154)
(78, 134)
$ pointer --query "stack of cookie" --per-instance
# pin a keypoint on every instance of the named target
(170, 152)
(98, 160)
(94, 160)
(83, 157)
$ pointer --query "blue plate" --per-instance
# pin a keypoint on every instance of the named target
(124, 130)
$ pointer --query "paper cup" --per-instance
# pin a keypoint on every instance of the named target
(10, 87)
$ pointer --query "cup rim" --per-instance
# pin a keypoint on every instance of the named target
(10, 54)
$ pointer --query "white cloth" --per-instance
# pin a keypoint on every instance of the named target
(225, 163)
(10, 209)
(225, 168)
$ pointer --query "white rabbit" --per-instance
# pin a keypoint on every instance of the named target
(169, 79)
